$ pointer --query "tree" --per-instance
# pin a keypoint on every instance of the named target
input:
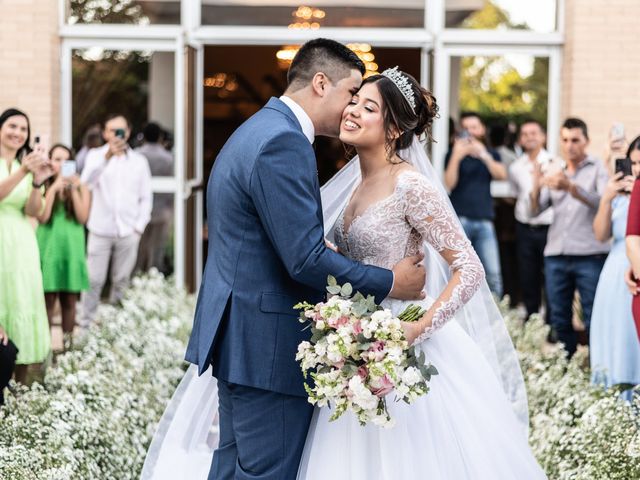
(495, 88)
(106, 11)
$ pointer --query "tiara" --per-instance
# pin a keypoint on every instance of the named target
(401, 81)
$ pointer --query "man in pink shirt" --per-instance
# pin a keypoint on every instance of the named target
(120, 184)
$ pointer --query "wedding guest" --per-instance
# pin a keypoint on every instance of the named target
(633, 241)
(92, 139)
(470, 167)
(8, 353)
(154, 239)
(614, 348)
(531, 230)
(61, 240)
(120, 185)
(23, 316)
(573, 257)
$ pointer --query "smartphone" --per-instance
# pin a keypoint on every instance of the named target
(623, 165)
(617, 132)
(40, 146)
(68, 168)
(120, 132)
(464, 134)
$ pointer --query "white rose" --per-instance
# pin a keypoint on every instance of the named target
(411, 376)
(381, 316)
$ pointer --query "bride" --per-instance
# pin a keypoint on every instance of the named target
(386, 204)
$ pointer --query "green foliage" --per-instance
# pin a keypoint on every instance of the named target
(494, 88)
(106, 11)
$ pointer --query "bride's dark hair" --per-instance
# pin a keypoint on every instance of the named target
(398, 116)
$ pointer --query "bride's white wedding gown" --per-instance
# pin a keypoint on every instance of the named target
(464, 428)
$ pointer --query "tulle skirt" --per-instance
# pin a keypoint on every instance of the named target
(464, 428)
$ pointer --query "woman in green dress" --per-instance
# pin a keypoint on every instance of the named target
(61, 240)
(22, 310)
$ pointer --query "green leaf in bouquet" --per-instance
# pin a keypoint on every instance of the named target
(359, 309)
(316, 335)
(334, 290)
(346, 290)
(432, 369)
(357, 297)
(324, 369)
(349, 369)
(371, 304)
(364, 346)
(360, 338)
(331, 281)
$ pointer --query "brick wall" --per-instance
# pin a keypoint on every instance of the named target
(601, 68)
(30, 62)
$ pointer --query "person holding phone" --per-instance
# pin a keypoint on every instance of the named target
(614, 347)
(23, 316)
(61, 239)
(120, 183)
(573, 256)
(470, 167)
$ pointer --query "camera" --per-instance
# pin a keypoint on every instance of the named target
(120, 133)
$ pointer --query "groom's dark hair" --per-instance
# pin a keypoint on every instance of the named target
(332, 58)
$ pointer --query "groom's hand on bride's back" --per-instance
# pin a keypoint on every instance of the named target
(409, 278)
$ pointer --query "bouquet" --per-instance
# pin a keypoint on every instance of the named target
(358, 355)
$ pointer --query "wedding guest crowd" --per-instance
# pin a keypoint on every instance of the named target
(50, 265)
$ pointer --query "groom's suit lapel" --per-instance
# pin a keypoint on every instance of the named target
(278, 105)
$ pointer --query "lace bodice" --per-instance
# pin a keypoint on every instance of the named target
(396, 227)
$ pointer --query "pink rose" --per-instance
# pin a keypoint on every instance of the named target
(363, 372)
(386, 386)
(357, 327)
(377, 349)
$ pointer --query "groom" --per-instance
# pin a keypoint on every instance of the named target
(266, 253)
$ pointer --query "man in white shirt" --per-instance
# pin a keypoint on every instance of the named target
(120, 184)
(531, 230)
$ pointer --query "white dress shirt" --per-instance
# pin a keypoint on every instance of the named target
(121, 197)
(305, 122)
(521, 181)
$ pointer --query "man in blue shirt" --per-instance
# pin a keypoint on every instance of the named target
(470, 167)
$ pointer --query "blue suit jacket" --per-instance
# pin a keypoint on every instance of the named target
(266, 253)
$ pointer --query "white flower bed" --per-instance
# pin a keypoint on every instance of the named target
(98, 408)
(578, 432)
(96, 413)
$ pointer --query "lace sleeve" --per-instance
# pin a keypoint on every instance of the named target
(431, 215)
